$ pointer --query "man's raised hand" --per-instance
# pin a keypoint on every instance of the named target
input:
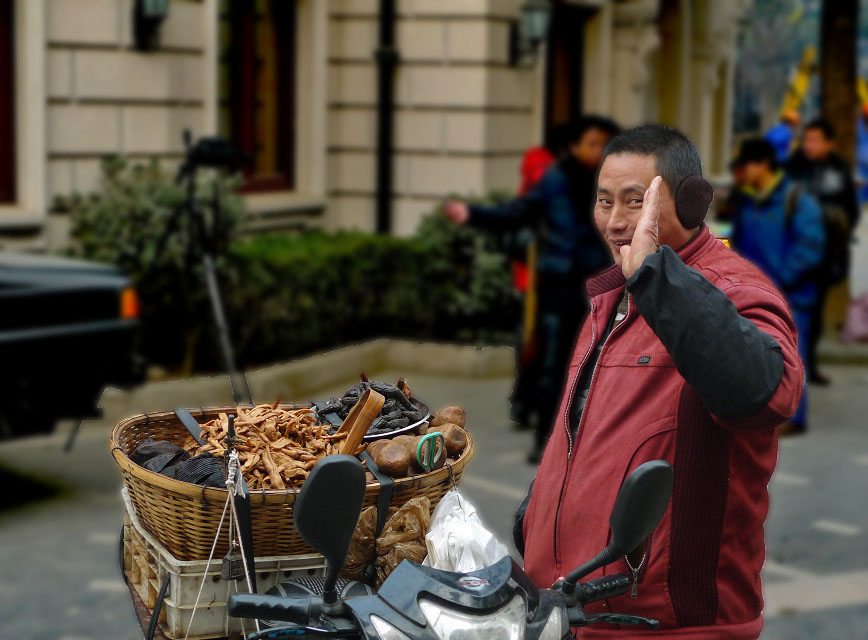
(646, 236)
(456, 211)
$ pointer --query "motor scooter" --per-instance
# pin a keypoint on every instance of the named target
(499, 602)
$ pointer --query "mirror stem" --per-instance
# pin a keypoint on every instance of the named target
(329, 590)
(335, 607)
(331, 599)
(602, 559)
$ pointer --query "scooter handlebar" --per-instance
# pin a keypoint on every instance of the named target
(299, 611)
(602, 588)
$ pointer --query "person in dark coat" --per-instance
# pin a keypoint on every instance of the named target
(828, 177)
(522, 247)
(559, 210)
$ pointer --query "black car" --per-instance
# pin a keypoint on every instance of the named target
(67, 329)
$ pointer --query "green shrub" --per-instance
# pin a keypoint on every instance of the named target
(296, 294)
(290, 295)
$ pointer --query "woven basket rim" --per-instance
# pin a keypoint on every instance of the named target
(267, 496)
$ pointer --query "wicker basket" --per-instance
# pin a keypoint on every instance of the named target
(183, 517)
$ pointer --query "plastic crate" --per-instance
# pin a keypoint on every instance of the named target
(147, 563)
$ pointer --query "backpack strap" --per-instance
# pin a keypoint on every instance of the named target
(384, 499)
(791, 203)
(387, 489)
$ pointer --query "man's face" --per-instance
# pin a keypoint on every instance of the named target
(755, 173)
(621, 187)
(589, 148)
(816, 145)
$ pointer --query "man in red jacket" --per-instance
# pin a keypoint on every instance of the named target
(688, 355)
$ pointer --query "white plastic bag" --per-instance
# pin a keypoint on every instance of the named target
(457, 540)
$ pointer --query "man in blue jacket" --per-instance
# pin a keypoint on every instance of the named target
(779, 227)
(559, 211)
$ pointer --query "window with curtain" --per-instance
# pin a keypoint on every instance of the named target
(257, 88)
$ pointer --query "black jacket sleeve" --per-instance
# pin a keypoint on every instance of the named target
(733, 366)
(518, 522)
(524, 211)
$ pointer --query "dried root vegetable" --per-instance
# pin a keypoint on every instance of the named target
(450, 415)
(276, 447)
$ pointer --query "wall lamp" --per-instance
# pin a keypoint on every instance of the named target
(148, 15)
(526, 35)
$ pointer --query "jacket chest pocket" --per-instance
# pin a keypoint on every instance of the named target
(650, 359)
(636, 388)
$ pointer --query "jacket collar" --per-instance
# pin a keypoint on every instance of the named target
(769, 191)
(613, 278)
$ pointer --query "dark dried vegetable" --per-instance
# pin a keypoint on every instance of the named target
(398, 411)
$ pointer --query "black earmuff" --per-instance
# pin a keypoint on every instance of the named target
(692, 200)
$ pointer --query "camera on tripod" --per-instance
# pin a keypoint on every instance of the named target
(211, 152)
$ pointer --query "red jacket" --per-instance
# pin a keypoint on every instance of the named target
(701, 578)
(533, 165)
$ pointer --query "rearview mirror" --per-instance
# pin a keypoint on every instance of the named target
(640, 505)
(327, 510)
(638, 509)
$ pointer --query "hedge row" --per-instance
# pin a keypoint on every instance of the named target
(287, 295)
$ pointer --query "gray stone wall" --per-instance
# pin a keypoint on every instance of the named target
(105, 97)
(463, 116)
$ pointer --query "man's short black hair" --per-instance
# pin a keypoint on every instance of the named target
(757, 150)
(579, 127)
(824, 126)
(676, 157)
(557, 140)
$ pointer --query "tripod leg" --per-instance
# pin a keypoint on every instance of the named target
(70, 440)
(240, 392)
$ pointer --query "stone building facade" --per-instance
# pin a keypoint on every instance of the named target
(462, 113)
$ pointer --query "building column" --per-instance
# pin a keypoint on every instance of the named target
(712, 66)
(703, 82)
(635, 37)
(724, 104)
(597, 89)
(683, 77)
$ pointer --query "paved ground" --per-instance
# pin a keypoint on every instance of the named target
(59, 553)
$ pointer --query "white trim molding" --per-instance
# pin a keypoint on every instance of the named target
(211, 58)
(30, 118)
(311, 97)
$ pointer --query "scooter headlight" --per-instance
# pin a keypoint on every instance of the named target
(557, 626)
(507, 623)
(386, 631)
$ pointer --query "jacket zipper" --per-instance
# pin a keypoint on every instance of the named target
(635, 571)
(584, 412)
(576, 382)
(567, 427)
